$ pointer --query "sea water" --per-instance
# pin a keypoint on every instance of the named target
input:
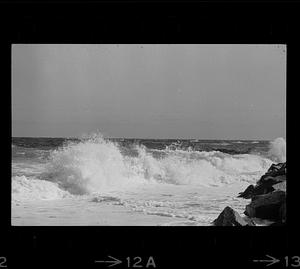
(102, 181)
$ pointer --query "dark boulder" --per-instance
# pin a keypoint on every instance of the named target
(266, 206)
(274, 179)
(276, 170)
(263, 189)
(277, 167)
(270, 180)
(248, 193)
(230, 217)
(252, 191)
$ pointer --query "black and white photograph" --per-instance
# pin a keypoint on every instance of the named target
(148, 134)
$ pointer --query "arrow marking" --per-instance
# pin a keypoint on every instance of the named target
(271, 261)
(113, 262)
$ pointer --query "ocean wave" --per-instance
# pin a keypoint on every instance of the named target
(97, 165)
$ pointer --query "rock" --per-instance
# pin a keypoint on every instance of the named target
(266, 206)
(268, 182)
(280, 186)
(248, 193)
(277, 167)
(267, 179)
(253, 191)
(263, 189)
(230, 217)
(276, 170)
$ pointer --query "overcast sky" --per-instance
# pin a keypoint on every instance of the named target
(149, 91)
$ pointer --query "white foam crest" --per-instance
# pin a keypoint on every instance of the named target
(24, 188)
(277, 151)
(96, 165)
(212, 168)
(90, 166)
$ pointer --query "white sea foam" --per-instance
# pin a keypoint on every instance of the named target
(277, 151)
(24, 188)
(92, 165)
(201, 168)
(96, 165)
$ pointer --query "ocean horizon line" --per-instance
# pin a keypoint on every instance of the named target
(144, 138)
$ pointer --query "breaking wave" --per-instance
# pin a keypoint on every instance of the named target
(96, 165)
(277, 151)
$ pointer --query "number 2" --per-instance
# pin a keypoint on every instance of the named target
(3, 262)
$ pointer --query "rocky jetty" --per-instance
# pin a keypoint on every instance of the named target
(268, 201)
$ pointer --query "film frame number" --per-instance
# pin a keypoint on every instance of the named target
(135, 262)
(293, 261)
(3, 262)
